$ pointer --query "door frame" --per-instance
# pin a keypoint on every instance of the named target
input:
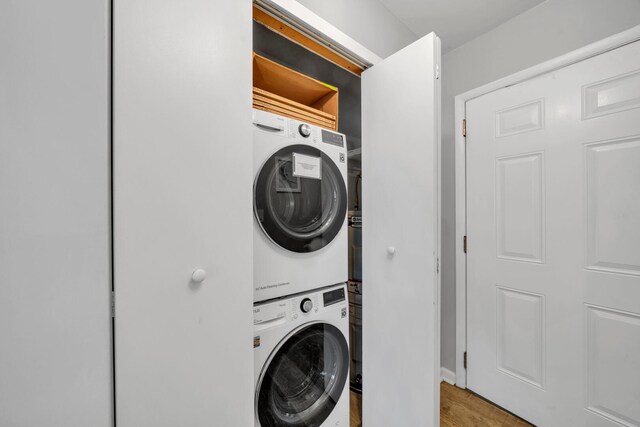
(594, 49)
(311, 24)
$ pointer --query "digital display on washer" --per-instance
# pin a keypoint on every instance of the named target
(332, 138)
(333, 297)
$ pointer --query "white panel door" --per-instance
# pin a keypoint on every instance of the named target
(55, 270)
(183, 201)
(401, 214)
(553, 181)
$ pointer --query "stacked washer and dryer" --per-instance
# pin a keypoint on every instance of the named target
(301, 316)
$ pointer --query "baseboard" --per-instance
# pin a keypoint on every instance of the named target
(447, 376)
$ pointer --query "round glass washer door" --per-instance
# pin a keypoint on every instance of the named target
(304, 378)
(300, 198)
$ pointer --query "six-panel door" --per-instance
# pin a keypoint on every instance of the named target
(553, 180)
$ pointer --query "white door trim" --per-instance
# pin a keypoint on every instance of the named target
(325, 31)
(594, 49)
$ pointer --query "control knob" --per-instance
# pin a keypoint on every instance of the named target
(305, 130)
(306, 305)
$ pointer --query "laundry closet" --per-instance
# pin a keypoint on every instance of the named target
(228, 278)
(307, 143)
(308, 279)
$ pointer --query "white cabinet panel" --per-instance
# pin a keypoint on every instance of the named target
(401, 217)
(183, 201)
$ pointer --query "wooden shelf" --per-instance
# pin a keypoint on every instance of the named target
(280, 90)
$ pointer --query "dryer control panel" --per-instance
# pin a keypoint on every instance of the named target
(296, 129)
(332, 138)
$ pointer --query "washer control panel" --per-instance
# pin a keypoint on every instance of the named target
(288, 309)
(271, 313)
(306, 305)
(333, 297)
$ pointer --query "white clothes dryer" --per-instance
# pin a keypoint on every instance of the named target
(301, 360)
(300, 204)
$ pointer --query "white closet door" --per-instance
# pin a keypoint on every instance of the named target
(401, 211)
(553, 209)
(183, 202)
(55, 288)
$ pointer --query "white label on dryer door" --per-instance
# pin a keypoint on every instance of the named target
(307, 166)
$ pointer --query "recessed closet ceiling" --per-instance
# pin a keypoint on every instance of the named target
(456, 21)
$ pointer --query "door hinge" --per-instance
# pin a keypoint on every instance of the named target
(464, 362)
(438, 265)
(464, 244)
(464, 127)
(113, 304)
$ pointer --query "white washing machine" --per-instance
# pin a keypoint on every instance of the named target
(300, 203)
(301, 360)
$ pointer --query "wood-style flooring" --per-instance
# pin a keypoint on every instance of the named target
(458, 408)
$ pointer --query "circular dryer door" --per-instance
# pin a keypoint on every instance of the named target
(304, 378)
(300, 198)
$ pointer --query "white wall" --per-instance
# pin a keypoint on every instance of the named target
(55, 288)
(551, 29)
(368, 22)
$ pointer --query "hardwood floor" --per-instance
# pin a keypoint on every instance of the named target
(356, 409)
(461, 408)
(458, 408)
